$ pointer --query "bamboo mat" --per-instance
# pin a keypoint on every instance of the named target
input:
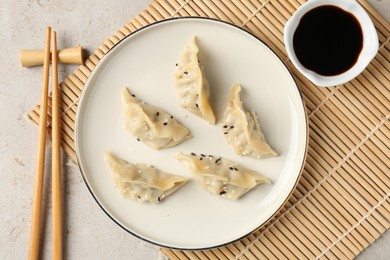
(341, 204)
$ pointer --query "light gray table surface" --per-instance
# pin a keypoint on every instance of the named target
(88, 232)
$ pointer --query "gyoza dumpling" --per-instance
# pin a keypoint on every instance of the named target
(142, 182)
(242, 129)
(221, 177)
(151, 125)
(192, 85)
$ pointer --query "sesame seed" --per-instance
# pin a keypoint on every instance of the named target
(222, 192)
(225, 126)
(225, 133)
(132, 95)
(232, 127)
(158, 113)
(235, 169)
(138, 139)
(218, 160)
(201, 158)
(171, 117)
(165, 123)
(176, 64)
(186, 72)
(196, 105)
(193, 154)
(231, 168)
(202, 155)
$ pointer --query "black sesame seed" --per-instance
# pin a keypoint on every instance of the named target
(171, 117)
(231, 168)
(222, 192)
(218, 160)
(202, 155)
(232, 127)
(225, 133)
(132, 95)
(176, 64)
(210, 156)
(138, 139)
(235, 169)
(158, 113)
(201, 158)
(193, 154)
(225, 126)
(159, 198)
(196, 105)
(165, 123)
(186, 72)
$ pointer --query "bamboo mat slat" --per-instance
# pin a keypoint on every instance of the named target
(341, 204)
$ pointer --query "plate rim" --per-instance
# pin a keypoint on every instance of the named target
(88, 84)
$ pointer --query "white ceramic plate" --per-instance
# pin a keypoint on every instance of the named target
(191, 218)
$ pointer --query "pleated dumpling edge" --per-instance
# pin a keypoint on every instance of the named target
(241, 128)
(221, 177)
(142, 182)
(191, 83)
(150, 124)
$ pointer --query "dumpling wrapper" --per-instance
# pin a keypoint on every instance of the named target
(192, 85)
(222, 177)
(151, 125)
(142, 182)
(242, 129)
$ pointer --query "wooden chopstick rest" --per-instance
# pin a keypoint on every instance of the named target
(30, 58)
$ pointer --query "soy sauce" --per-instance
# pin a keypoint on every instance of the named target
(328, 40)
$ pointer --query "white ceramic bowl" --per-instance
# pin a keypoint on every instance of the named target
(370, 41)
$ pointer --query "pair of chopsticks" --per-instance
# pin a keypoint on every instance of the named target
(35, 228)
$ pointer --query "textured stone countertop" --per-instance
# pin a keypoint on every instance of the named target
(88, 232)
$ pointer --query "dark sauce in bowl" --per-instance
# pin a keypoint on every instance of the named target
(328, 40)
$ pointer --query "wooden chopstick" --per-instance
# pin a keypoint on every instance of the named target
(35, 227)
(56, 160)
